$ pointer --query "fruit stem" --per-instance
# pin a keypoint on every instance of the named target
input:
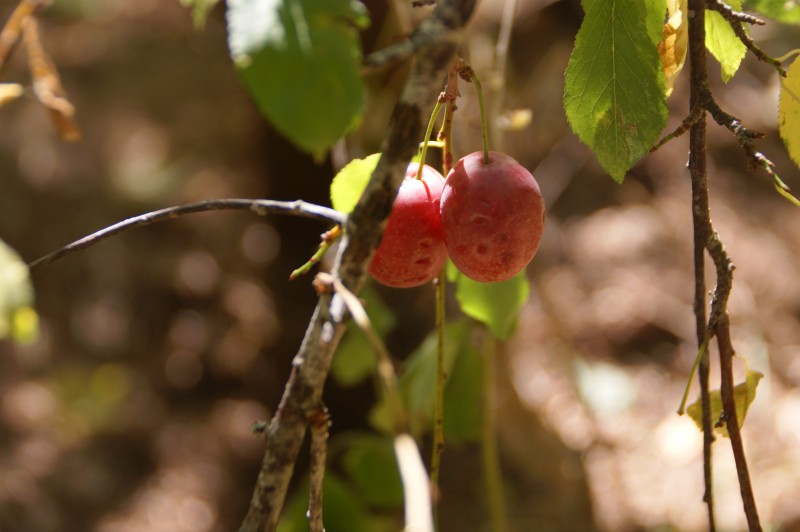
(484, 127)
(431, 122)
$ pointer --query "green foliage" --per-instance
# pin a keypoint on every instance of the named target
(463, 397)
(614, 96)
(372, 469)
(200, 9)
(301, 61)
(494, 304)
(355, 360)
(342, 510)
(18, 319)
(417, 385)
(789, 111)
(743, 393)
(723, 43)
(780, 10)
(348, 185)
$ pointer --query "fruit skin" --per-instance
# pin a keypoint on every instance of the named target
(412, 249)
(492, 216)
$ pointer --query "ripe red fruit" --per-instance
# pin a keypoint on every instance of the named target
(412, 250)
(492, 217)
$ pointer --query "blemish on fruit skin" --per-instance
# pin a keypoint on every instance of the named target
(423, 262)
(482, 249)
(479, 219)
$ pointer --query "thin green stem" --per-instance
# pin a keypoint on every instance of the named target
(701, 355)
(438, 408)
(492, 476)
(484, 127)
(431, 122)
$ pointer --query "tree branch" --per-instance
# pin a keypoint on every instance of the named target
(698, 76)
(363, 230)
(260, 207)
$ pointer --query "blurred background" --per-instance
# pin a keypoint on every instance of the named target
(160, 347)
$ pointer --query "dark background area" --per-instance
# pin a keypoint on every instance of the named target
(161, 346)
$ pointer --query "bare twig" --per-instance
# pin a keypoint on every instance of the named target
(9, 36)
(259, 206)
(695, 114)
(319, 423)
(363, 230)
(698, 76)
(736, 19)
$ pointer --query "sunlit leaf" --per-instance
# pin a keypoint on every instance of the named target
(723, 43)
(350, 182)
(744, 393)
(674, 43)
(18, 319)
(614, 96)
(789, 111)
(494, 304)
(355, 360)
(301, 61)
(200, 9)
(781, 10)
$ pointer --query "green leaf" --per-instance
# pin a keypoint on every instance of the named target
(655, 12)
(200, 9)
(348, 185)
(301, 61)
(18, 319)
(342, 510)
(789, 111)
(463, 397)
(417, 383)
(723, 43)
(780, 10)
(743, 393)
(355, 359)
(614, 96)
(371, 466)
(495, 304)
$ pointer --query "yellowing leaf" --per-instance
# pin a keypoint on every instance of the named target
(789, 111)
(18, 320)
(350, 182)
(743, 394)
(673, 45)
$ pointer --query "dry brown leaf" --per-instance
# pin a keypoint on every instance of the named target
(47, 83)
(672, 48)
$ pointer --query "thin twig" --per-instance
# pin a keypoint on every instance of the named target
(12, 29)
(698, 76)
(694, 115)
(259, 206)
(319, 423)
(736, 19)
(416, 484)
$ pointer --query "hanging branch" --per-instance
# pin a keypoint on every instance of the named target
(362, 233)
(698, 76)
(706, 239)
(258, 206)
